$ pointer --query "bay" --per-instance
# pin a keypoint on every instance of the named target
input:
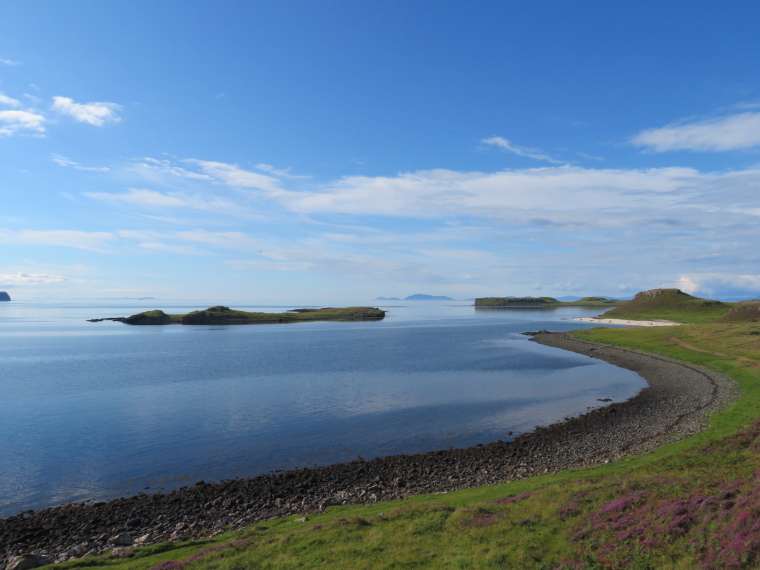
(95, 411)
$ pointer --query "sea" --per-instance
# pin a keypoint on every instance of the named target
(95, 411)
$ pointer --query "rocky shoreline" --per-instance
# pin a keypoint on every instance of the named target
(678, 402)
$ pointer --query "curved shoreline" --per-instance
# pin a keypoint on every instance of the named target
(678, 402)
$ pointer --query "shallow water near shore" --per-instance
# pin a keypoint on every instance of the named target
(93, 411)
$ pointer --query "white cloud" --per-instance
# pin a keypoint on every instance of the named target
(5, 100)
(13, 122)
(9, 62)
(166, 167)
(534, 192)
(32, 279)
(504, 144)
(282, 173)
(445, 226)
(150, 199)
(741, 286)
(173, 249)
(97, 113)
(90, 241)
(63, 161)
(233, 175)
(733, 132)
(221, 240)
(687, 284)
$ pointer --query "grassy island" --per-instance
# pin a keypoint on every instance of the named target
(544, 302)
(221, 315)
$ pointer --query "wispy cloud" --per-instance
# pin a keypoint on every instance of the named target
(150, 199)
(173, 248)
(5, 100)
(281, 173)
(504, 144)
(233, 175)
(733, 132)
(63, 161)
(236, 241)
(33, 279)
(91, 241)
(459, 228)
(9, 62)
(15, 122)
(165, 167)
(97, 113)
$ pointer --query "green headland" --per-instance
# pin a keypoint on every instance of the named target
(221, 315)
(675, 305)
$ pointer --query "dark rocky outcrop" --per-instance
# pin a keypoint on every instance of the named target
(4, 296)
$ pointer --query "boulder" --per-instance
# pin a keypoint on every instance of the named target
(26, 561)
(121, 540)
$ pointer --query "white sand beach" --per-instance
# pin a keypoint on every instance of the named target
(627, 322)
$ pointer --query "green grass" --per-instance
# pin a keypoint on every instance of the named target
(689, 504)
(672, 305)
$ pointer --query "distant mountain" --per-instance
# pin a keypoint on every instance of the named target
(4, 296)
(386, 299)
(421, 297)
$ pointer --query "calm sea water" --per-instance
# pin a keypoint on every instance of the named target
(102, 410)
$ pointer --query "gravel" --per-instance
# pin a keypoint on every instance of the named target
(678, 403)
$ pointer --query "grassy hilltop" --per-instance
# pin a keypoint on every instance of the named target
(689, 504)
(672, 305)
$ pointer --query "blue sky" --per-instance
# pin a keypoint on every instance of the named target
(343, 150)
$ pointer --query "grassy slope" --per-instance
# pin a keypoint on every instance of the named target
(672, 305)
(687, 504)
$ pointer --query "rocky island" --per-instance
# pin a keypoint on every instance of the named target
(4, 296)
(221, 315)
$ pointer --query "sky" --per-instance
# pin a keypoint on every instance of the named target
(344, 150)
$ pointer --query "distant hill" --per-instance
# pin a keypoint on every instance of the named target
(387, 299)
(4, 296)
(669, 304)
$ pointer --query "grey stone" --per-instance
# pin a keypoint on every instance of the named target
(26, 561)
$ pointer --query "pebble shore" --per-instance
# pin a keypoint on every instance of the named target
(678, 403)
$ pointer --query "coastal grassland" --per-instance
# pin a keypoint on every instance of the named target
(689, 504)
(672, 305)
